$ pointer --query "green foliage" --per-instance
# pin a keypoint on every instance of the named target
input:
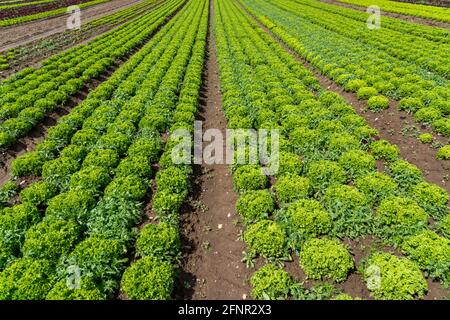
(398, 210)
(364, 93)
(350, 211)
(26, 279)
(50, 239)
(443, 153)
(93, 180)
(148, 279)
(355, 84)
(149, 148)
(308, 218)
(7, 191)
(87, 291)
(172, 179)
(376, 186)
(138, 166)
(114, 218)
(289, 164)
(382, 149)
(431, 252)
(14, 222)
(357, 163)
(255, 205)
(77, 153)
(129, 187)
(72, 205)
(85, 138)
(410, 104)
(249, 177)
(325, 259)
(391, 278)
(100, 260)
(342, 142)
(27, 164)
(291, 188)
(266, 238)
(427, 115)
(57, 172)
(160, 241)
(432, 198)
(104, 158)
(115, 141)
(378, 103)
(444, 226)
(166, 202)
(405, 174)
(271, 283)
(324, 173)
(442, 126)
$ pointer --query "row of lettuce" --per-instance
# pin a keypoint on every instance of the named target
(415, 10)
(374, 64)
(45, 47)
(75, 232)
(327, 187)
(28, 95)
(15, 4)
(46, 14)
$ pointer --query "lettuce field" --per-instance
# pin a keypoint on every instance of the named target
(116, 177)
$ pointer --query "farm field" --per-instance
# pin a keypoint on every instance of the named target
(116, 176)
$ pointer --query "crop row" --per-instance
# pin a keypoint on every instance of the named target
(22, 4)
(122, 15)
(29, 94)
(82, 214)
(327, 187)
(361, 67)
(425, 53)
(428, 32)
(416, 10)
(46, 14)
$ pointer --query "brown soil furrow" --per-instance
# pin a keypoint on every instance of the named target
(391, 123)
(18, 35)
(418, 20)
(212, 266)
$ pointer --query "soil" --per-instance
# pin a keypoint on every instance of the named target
(212, 266)
(428, 22)
(398, 127)
(19, 35)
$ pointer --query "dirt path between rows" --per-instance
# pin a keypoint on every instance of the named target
(212, 266)
(398, 127)
(18, 35)
(428, 22)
